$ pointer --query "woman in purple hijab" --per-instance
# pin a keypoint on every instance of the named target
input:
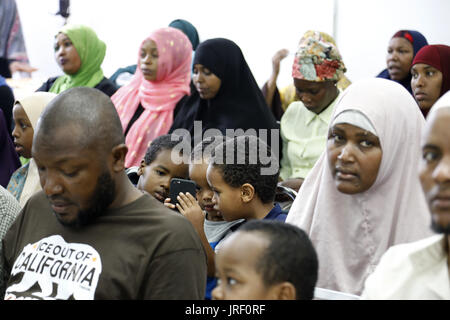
(9, 159)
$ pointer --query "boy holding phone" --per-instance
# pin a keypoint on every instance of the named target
(205, 218)
(157, 168)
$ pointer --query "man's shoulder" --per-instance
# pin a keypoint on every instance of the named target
(407, 257)
(403, 251)
(405, 269)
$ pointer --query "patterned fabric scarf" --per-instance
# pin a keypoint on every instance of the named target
(17, 181)
(91, 50)
(317, 59)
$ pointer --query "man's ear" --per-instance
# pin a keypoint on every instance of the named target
(140, 171)
(118, 155)
(247, 192)
(283, 291)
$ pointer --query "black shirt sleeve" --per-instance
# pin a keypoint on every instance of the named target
(106, 86)
(47, 84)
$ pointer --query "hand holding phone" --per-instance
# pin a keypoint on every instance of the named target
(181, 185)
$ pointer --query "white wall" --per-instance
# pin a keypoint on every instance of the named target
(362, 28)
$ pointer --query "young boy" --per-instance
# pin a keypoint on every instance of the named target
(266, 260)
(208, 221)
(25, 181)
(157, 168)
(243, 175)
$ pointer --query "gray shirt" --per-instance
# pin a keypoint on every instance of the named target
(9, 209)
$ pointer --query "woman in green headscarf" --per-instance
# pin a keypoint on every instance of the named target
(79, 53)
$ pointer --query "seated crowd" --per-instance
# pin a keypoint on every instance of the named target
(368, 163)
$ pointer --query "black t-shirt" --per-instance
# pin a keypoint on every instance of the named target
(142, 250)
(106, 86)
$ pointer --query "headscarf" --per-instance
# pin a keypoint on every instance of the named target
(437, 56)
(417, 41)
(351, 232)
(442, 102)
(317, 58)
(239, 102)
(25, 181)
(188, 29)
(158, 98)
(91, 50)
(9, 159)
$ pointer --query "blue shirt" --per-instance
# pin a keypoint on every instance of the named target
(276, 214)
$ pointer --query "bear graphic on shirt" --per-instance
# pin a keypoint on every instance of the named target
(73, 267)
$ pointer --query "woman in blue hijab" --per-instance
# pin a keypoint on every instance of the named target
(402, 49)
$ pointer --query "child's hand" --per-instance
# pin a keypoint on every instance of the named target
(168, 204)
(188, 207)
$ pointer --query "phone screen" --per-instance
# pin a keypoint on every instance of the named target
(181, 185)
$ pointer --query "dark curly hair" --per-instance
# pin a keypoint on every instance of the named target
(247, 159)
(205, 148)
(164, 142)
(290, 256)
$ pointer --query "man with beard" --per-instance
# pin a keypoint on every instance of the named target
(90, 234)
(420, 270)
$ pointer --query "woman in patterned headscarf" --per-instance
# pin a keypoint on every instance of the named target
(317, 68)
(401, 51)
(145, 105)
(279, 99)
(79, 53)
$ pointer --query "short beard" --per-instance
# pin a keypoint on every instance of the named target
(440, 229)
(103, 196)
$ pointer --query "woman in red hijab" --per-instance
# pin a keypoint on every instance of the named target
(430, 72)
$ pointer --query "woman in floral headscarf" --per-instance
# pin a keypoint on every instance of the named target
(317, 68)
(146, 104)
(279, 99)
(79, 53)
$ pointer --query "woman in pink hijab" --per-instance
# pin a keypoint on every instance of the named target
(364, 195)
(145, 106)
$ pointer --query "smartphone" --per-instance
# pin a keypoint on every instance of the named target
(181, 185)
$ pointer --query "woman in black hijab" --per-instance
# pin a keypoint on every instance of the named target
(226, 96)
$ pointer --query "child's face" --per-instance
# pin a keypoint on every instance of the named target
(236, 269)
(23, 131)
(227, 199)
(155, 177)
(205, 196)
